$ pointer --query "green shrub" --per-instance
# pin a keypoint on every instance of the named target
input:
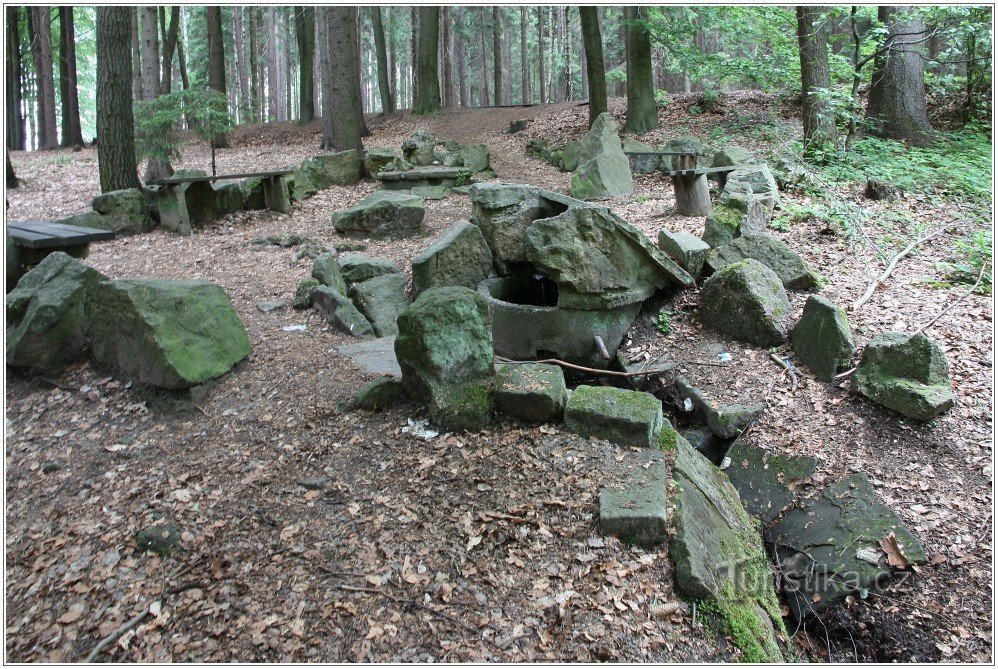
(969, 255)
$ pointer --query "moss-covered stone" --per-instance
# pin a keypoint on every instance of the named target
(161, 539)
(326, 270)
(339, 311)
(689, 251)
(822, 339)
(228, 197)
(459, 257)
(633, 504)
(475, 157)
(765, 481)
(531, 392)
(322, 171)
(726, 421)
(746, 300)
(722, 225)
(381, 300)
(357, 267)
(771, 252)
(603, 170)
(376, 160)
(303, 293)
(383, 214)
(755, 180)
(640, 164)
(623, 417)
(906, 373)
(171, 334)
(123, 212)
(378, 394)
(253, 196)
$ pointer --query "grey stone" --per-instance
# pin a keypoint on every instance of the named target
(326, 270)
(459, 257)
(656, 366)
(726, 421)
(161, 539)
(733, 216)
(755, 180)
(475, 157)
(357, 267)
(15, 266)
(374, 356)
(531, 392)
(689, 251)
(603, 169)
(634, 508)
(708, 444)
(383, 214)
(381, 300)
(728, 156)
(571, 153)
(431, 192)
(228, 197)
(640, 164)
(271, 305)
(338, 310)
(771, 252)
(303, 294)
(906, 373)
(376, 160)
(51, 466)
(378, 394)
(746, 301)
(419, 149)
(765, 481)
(623, 417)
(253, 193)
(324, 170)
(822, 339)
(430, 175)
(122, 211)
(314, 483)
(820, 546)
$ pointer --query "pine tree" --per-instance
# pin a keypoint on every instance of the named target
(595, 69)
(115, 122)
(642, 113)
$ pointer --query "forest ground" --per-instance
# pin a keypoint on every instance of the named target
(471, 547)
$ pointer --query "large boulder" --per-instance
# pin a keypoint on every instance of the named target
(123, 211)
(771, 252)
(228, 197)
(171, 334)
(474, 157)
(746, 301)
(376, 160)
(444, 348)
(734, 216)
(756, 180)
(340, 312)
(598, 260)
(383, 214)
(45, 312)
(15, 266)
(622, 417)
(381, 300)
(603, 169)
(419, 149)
(459, 257)
(906, 373)
(645, 164)
(731, 155)
(719, 556)
(822, 339)
(320, 172)
(357, 267)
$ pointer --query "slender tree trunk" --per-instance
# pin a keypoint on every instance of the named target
(48, 136)
(216, 61)
(305, 34)
(414, 57)
(595, 70)
(322, 19)
(182, 66)
(384, 84)
(171, 36)
(566, 17)
(156, 168)
(462, 65)
(642, 113)
(115, 122)
(427, 86)
(273, 95)
(525, 85)
(12, 181)
(344, 130)
(540, 52)
(72, 134)
(15, 117)
(812, 40)
(497, 66)
(583, 76)
(447, 49)
(136, 57)
(256, 86)
(242, 71)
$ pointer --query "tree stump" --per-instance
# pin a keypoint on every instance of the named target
(692, 191)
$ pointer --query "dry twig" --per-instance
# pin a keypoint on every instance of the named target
(117, 634)
(890, 268)
(954, 303)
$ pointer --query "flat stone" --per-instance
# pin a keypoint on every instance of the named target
(726, 421)
(271, 305)
(908, 374)
(765, 481)
(822, 339)
(821, 545)
(771, 252)
(357, 267)
(746, 300)
(383, 214)
(634, 507)
(640, 164)
(689, 251)
(531, 392)
(459, 257)
(430, 175)
(373, 356)
(314, 483)
(431, 192)
(381, 300)
(622, 417)
(376, 159)
(339, 311)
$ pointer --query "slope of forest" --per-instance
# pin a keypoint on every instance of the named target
(313, 534)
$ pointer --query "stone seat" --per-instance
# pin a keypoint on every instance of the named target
(429, 175)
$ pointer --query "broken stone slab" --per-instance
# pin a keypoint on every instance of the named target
(431, 175)
(640, 164)
(765, 481)
(383, 214)
(719, 556)
(339, 311)
(622, 417)
(253, 193)
(832, 546)
(431, 192)
(746, 300)
(376, 160)
(378, 394)
(444, 348)
(373, 356)
(381, 300)
(755, 180)
(689, 251)
(655, 366)
(531, 392)
(122, 211)
(319, 172)
(603, 169)
(303, 293)
(598, 260)
(326, 270)
(726, 421)
(171, 334)
(734, 216)
(771, 252)
(459, 257)
(420, 148)
(822, 339)
(228, 197)
(46, 325)
(634, 505)
(728, 156)
(357, 267)
(906, 373)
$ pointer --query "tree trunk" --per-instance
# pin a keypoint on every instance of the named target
(582, 71)
(72, 134)
(156, 168)
(182, 66)
(15, 117)
(567, 29)
(322, 19)
(355, 56)
(497, 70)
(242, 71)
(115, 122)
(427, 84)
(256, 85)
(414, 56)
(273, 90)
(540, 52)
(305, 34)
(12, 181)
(642, 113)
(384, 84)
(48, 136)
(812, 40)
(896, 107)
(447, 49)
(462, 66)
(344, 131)
(525, 85)
(170, 36)
(595, 71)
(136, 57)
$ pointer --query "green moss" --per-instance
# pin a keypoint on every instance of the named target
(667, 438)
(728, 216)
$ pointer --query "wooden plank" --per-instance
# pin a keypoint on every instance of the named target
(45, 234)
(173, 181)
(94, 234)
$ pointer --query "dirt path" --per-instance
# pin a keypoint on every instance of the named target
(316, 535)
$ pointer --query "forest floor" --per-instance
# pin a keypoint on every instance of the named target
(316, 535)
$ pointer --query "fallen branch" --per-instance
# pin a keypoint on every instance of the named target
(953, 304)
(118, 633)
(787, 366)
(890, 268)
(591, 370)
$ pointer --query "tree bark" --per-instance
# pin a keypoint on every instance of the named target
(595, 70)
(642, 113)
(15, 117)
(256, 84)
(464, 85)
(149, 33)
(414, 56)
(12, 181)
(447, 49)
(115, 122)
(305, 34)
(242, 71)
(497, 67)
(182, 66)
(812, 41)
(48, 137)
(540, 52)
(136, 56)
(384, 83)
(525, 85)
(216, 61)
(72, 133)
(427, 84)
(896, 107)
(322, 19)
(170, 36)
(344, 132)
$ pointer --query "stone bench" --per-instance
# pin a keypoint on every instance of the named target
(689, 181)
(430, 175)
(29, 242)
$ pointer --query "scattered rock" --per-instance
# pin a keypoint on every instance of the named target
(622, 417)
(878, 190)
(271, 305)
(746, 301)
(375, 160)
(383, 214)
(357, 267)
(766, 482)
(122, 211)
(326, 270)
(314, 483)
(46, 325)
(831, 546)
(459, 257)
(378, 394)
(382, 299)
(50, 466)
(161, 539)
(634, 508)
(517, 126)
(431, 192)
(906, 373)
(689, 251)
(444, 348)
(756, 180)
(303, 293)
(338, 310)
(603, 169)
(733, 217)
(419, 149)
(570, 156)
(374, 356)
(475, 157)
(171, 334)
(531, 392)
(728, 156)
(726, 421)
(771, 252)
(822, 339)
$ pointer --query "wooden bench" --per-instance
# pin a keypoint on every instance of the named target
(689, 181)
(33, 240)
(171, 200)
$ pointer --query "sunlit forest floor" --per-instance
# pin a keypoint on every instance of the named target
(316, 535)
